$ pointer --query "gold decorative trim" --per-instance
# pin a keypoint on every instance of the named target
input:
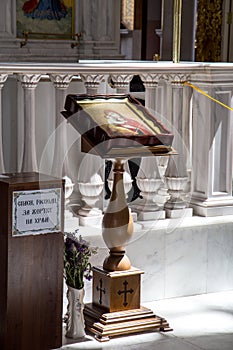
(75, 37)
(208, 34)
(176, 30)
(127, 13)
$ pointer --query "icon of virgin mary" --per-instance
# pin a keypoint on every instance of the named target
(119, 124)
(45, 9)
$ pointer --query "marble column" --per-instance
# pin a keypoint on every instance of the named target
(150, 81)
(3, 78)
(121, 83)
(212, 147)
(105, 32)
(60, 165)
(83, 22)
(103, 28)
(90, 179)
(87, 20)
(29, 83)
(149, 172)
(60, 160)
(176, 175)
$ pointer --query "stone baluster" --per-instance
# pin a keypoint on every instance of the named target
(29, 83)
(148, 181)
(90, 183)
(162, 195)
(176, 176)
(3, 78)
(60, 160)
(60, 165)
(212, 147)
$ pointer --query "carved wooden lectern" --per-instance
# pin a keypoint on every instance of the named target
(117, 127)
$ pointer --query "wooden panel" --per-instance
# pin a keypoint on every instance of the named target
(3, 261)
(31, 270)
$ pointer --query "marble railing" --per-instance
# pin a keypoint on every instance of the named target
(35, 136)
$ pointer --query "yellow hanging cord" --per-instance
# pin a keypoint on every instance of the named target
(207, 95)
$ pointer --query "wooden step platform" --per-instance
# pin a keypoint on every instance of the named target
(109, 324)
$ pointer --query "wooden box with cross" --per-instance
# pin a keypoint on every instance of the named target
(116, 308)
(117, 290)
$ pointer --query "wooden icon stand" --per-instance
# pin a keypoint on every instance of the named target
(117, 127)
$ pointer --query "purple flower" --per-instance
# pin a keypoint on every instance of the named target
(77, 252)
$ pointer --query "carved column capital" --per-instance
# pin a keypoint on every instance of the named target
(3, 78)
(29, 81)
(150, 80)
(92, 81)
(120, 81)
(61, 81)
(178, 79)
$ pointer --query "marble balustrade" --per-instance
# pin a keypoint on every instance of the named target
(36, 138)
(179, 257)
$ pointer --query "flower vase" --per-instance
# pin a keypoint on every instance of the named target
(75, 325)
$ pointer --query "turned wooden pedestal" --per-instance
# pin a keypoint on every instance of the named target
(116, 308)
(31, 262)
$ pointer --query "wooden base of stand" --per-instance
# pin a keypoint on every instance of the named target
(109, 324)
(116, 308)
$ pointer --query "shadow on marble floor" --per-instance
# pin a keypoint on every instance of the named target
(201, 322)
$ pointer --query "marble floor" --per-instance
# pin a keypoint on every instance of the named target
(202, 322)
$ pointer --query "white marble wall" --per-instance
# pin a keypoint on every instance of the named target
(100, 38)
(212, 147)
(179, 258)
